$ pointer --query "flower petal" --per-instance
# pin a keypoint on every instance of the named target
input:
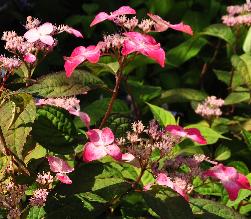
(74, 32)
(107, 136)
(163, 180)
(58, 165)
(182, 27)
(45, 29)
(95, 137)
(47, 39)
(123, 10)
(102, 16)
(176, 130)
(63, 178)
(114, 151)
(32, 35)
(76, 58)
(93, 54)
(92, 152)
(195, 135)
(127, 157)
(85, 118)
(160, 24)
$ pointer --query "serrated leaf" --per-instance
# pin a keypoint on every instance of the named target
(54, 129)
(185, 51)
(19, 114)
(180, 95)
(163, 116)
(99, 68)
(221, 31)
(97, 109)
(222, 153)
(58, 85)
(167, 203)
(237, 97)
(36, 213)
(208, 207)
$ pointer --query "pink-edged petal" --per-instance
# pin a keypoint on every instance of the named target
(114, 151)
(47, 39)
(127, 157)
(163, 180)
(102, 16)
(74, 32)
(93, 54)
(123, 10)
(95, 137)
(160, 24)
(29, 58)
(32, 35)
(182, 27)
(181, 192)
(195, 135)
(158, 55)
(58, 165)
(45, 29)
(85, 118)
(128, 47)
(92, 152)
(107, 136)
(76, 58)
(176, 130)
(63, 178)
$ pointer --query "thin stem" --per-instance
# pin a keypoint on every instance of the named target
(142, 171)
(113, 98)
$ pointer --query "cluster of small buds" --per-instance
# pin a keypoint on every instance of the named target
(71, 103)
(9, 63)
(10, 197)
(112, 41)
(128, 23)
(146, 25)
(141, 141)
(32, 23)
(210, 108)
(39, 197)
(44, 179)
(238, 15)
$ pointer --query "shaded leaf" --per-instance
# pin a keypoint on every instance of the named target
(36, 213)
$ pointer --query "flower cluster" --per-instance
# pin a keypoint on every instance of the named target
(71, 104)
(238, 15)
(210, 108)
(127, 41)
(39, 197)
(10, 197)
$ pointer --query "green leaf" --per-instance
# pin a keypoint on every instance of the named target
(247, 137)
(161, 115)
(54, 129)
(208, 209)
(225, 76)
(221, 31)
(97, 109)
(180, 95)
(222, 153)
(242, 65)
(36, 213)
(143, 93)
(185, 51)
(209, 134)
(19, 114)
(242, 195)
(167, 203)
(58, 85)
(99, 68)
(236, 97)
(247, 42)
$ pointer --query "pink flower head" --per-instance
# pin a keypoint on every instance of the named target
(41, 33)
(29, 58)
(74, 32)
(102, 16)
(162, 25)
(60, 167)
(144, 44)
(230, 178)
(191, 133)
(80, 54)
(101, 144)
